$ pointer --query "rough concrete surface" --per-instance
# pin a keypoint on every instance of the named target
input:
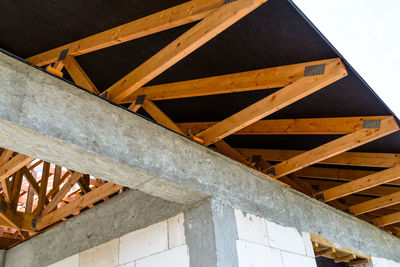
(210, 230)
(45, 117)
(130, 211)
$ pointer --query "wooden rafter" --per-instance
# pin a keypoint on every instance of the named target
(333, 148)
(5, 156)
(387, 220)
(43, 188)
(364, 159)
(77, 204)
(374, 204)
(334, 70)
(13, 165)
(9, 168)
(78, 75)
(268, 78)
(160, 116)
(376, 191)
(173, 17)
(361, 184)
(343, 125)
(230, 152)
(61, 194)
(202, 32)
(16, 189)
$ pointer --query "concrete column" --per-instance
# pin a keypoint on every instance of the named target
(211, 234)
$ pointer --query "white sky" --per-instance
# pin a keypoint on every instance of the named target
(367, 34)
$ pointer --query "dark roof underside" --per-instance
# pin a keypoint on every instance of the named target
(275, 34)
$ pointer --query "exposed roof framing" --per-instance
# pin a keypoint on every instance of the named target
(365, 184)
(325, 248)
(41, 194)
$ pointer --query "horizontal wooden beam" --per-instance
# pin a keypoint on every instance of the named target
(387, 220)
(268, 78)
(335, 147)
(361, 184)
(173, 17)
(375, 204)
(381, 160)
(376, 191)
(334, 70)
(199, 34)
(78, 204)
(343, 125)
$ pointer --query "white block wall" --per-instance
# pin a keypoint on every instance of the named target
(159, 245)
(264, 243)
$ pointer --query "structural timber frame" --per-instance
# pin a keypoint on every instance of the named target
(37, 195)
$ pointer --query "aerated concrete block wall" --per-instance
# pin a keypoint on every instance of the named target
(161, 244)
(264, 243)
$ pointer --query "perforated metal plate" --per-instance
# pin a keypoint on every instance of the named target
(371, 124)
(314, 70)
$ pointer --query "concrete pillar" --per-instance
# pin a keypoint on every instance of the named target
(211, 234)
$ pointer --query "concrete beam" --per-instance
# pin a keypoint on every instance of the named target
(45, 117)
(130, 211)
(211, 234)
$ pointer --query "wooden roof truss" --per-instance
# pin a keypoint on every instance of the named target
(371, 195)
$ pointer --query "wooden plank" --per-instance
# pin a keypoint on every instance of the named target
(374, 204)
(198, 35)
(29, 199)
(376, 191)
(335, 147)
(56, 177)
(358, 262)
(160, 116)
(335, 174)
(346, 258)
(9, 216)
(173, 17)
(78, 204)
(16, 190)
(43, 188)
(326, 243)
(230, 152)
(324, 252)
(365, 159)
(61, 194)
(291, 126)
(13, 165)
(387, 220)
(55, 189)
(361, 184)
(84, 183)
(268, 78)
(5, 156)
(32, 182)
(78, 75)
(334, 70)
